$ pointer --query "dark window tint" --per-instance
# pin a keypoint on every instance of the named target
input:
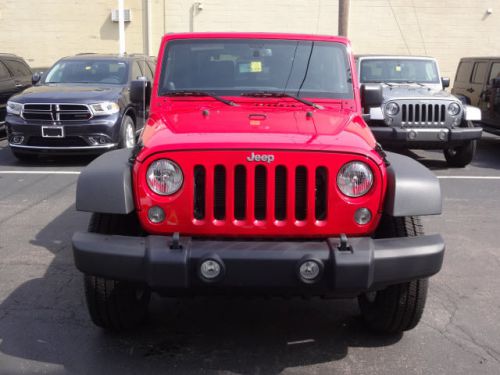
(4, 73)
(88, 71)
(464, 72)
(495, 71)
(18, 68)
(136, 71)
(479, 72)
(239, 66)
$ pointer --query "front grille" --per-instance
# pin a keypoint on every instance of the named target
(423, 114)
(260, 193)
(57, 142)
(56, 112)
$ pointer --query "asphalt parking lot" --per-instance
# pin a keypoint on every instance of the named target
(44, 326)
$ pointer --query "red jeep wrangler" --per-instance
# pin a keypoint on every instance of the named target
(257, 174)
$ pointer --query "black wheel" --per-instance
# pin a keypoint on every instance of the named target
(399, 307)
(23, 157)
(127, 133)
(462, 155)
(113, 304)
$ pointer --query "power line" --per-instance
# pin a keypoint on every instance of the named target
(399, 27)
(418, 25)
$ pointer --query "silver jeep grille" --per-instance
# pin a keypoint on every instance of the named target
(421, 114)
(56, 112)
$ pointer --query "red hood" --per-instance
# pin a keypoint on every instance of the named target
(204, 124)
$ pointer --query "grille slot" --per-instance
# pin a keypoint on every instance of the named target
(220, 192)
(260, 192)
(199, 192)
(56, 142)
(300, 193)
(321, 198)
(240, 192)
(280, 193)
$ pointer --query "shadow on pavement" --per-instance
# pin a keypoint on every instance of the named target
(45, 320)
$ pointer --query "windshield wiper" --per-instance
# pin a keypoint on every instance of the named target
(273, 94)
(197, 93)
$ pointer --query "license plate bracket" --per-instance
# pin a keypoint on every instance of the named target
(53, 131)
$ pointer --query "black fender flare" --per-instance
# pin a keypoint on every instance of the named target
(105, 185)
(412, 189)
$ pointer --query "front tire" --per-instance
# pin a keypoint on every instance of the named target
(399, 307)
(114, 304)
(127, 133)
(462, 155)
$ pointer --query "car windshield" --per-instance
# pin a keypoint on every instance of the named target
(88, 71)
(398, 71)
(242, 66)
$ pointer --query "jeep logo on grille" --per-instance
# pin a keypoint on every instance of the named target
(257, 157)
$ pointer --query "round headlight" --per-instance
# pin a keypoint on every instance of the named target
(355, 179)
(164, 177)
(454, 109)
(392, 109)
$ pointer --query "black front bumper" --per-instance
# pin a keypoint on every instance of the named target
(425, 137)
(269, 267)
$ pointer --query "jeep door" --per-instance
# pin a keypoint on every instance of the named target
(490, 99)
(7, 89)
(470, 80)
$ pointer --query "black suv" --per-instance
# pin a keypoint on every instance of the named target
(15, 76)
(80, 105)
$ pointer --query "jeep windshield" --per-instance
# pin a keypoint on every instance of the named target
(88, 71)
(398, 71)
(237, 67)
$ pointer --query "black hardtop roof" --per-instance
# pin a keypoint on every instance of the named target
(480, 58)
(395, 56)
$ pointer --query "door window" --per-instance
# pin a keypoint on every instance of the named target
(464, 72)
(136, 71)
(18, 68)
(479, 72)
(495, 71)
(4, 73)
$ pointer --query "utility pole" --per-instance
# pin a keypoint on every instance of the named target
(121, 26)
(344, 17)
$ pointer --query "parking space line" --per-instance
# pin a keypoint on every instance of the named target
(469, 177)
(40, 172)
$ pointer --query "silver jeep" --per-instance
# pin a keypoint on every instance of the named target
(414, 111)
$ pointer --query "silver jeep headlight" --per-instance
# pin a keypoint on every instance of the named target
(391, 109)
(104, 108)
(164, 177)
(355, 179)
(14, 108)
(454, 109)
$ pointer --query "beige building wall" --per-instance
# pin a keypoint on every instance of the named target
(44, 30)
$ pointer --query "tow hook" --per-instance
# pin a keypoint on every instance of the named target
(176, 242)
(344, 245)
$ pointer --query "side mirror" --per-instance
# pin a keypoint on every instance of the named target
(35, 78)
(140, 91)
(371, 96)
(445, 81)
(495, 83)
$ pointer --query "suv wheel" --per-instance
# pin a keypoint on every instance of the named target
(127, 135)
(399, 307)
(113, 304)
(462, 155)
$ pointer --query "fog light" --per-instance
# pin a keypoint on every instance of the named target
(102, 140)
(210, 269)
(17, 139)
(442, 135)
(156, 214)
(309, 270)
(362, 216)
(412, 135)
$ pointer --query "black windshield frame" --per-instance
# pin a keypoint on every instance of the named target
(295, 74)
